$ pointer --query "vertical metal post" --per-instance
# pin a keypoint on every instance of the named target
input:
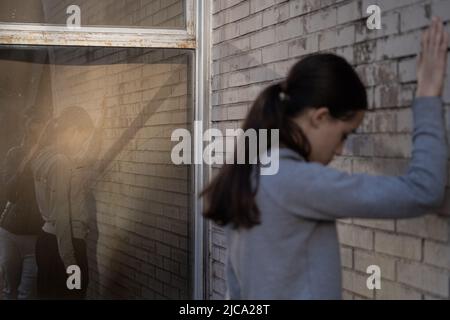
(201, 113)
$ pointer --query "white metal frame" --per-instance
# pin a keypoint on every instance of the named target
(196, 36)
(152, 37)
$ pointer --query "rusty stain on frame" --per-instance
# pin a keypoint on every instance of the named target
(75, 38)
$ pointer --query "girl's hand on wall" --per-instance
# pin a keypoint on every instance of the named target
(432, 60)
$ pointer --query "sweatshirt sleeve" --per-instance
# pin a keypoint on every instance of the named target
(314, 191)
(60, 205)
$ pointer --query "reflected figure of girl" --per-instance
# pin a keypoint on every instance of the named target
(20, 221)
(61, 198)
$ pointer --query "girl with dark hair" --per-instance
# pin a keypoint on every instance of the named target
(20, 221)
(62, 241)
(281, 229)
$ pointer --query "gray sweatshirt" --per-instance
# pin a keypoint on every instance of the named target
(61, 186)
(52, 179)
(294, 252)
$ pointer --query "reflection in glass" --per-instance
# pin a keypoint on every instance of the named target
(138, 202)
(114, 13)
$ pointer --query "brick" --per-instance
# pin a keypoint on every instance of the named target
(219, 254)
(290, 29)
(281, 68)
(346, 257)
(237, 79)
(263, 74)
(250, 24)
(407, 70)
(399, 246)
(378, 73)
(237, 12)
(262, 38)
(348, 12)
(219, 114)
(363, 259)
(389, 26)
(347, 53)
(276, 15)
(275, 52)
(232, 47)
(219, 20)
(303, 46)
(379, 166)
(441, 9)
(387, 5)
(388, 121)
(258, 5)
(387, 96)
(346, 295)
(226, 32)
(302, 7)
(222, 5)
(423, 277)
(236, 112)
(437, 254)
(218, 270)
(323, 19)
(355, 236)
(429, 227)
(336, 38)
(382, 224)
(364, 52)
(394, 291)
(359, 146)
(356, 283)
(219, 286)
(398, 46)
(379, 145)
(415, 17)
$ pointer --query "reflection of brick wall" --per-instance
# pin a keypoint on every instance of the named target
(133, 13)
(142, 201)
(22, 86)
(255, 42)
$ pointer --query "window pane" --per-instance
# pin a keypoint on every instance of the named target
(112, 13)
(137, 201)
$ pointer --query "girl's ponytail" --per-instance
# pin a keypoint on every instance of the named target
(230, 195)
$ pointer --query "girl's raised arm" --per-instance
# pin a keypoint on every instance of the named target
(322, 192)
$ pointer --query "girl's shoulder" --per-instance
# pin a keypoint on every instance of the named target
(49, 160)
